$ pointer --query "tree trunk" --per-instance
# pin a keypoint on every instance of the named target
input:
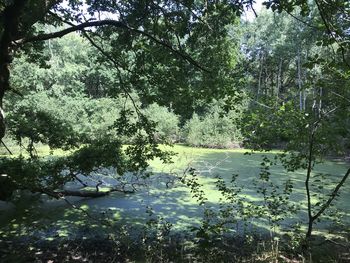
(13, 17)
(10, 24)
(300, 82)
(260, 75)
(320, 103)
(2, 123)
(307, 181)
(279, 78)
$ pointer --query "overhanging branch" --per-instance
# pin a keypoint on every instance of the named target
(114, 23)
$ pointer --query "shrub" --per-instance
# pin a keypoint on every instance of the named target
(214, 129)
(167, 122)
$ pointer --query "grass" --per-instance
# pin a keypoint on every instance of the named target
(50, 218)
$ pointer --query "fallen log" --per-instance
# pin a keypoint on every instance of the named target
(87, 193)
(81, 192)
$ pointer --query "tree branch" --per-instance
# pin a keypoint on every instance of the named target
(331, 33)
(2, 142)
(332, 196)
(300, 20)
(80, 193)
(113, 23)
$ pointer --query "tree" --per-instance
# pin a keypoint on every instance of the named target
(215, 128)
(161, 23)
(167, 25)
(309, 120)
(147, 41)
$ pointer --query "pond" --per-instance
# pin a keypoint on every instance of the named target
(164, 195)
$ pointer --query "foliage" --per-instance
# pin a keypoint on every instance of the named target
(297, 104)
(215, 129)
(155, 238)
(233, 220)
(276, 202)
(71, 95)
(167, 123)
(181, 55)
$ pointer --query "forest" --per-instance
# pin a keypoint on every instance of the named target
(174, 131)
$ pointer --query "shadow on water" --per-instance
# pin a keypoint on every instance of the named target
(248, 167)
(35, 216)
